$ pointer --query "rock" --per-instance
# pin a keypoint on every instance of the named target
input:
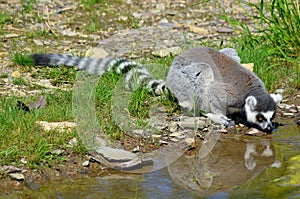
(9, 35)
(279, 91)
(45, 83)
(73, 142)
(23, 160)
(198, 30)
(57, 152)
(115, 155)
(38, 42)
(170, 12)
(193, 123)
(190, 142)
(163, 21)
(123, 18)
(256, 132)
(136, 15)
(99, 52)
(138, 133)
(225, 30)
(17, 176)
(177, 135)
(156, 136)
(167, 52)
(223, 130)
(174, 127)
(276, 164)
(60, 126)
(122, 160)
(69, 33)
(174, 139)
(136, 149)
(86, 163)
(15, 74)
(288, 114)
(163, 142)
(9, 169)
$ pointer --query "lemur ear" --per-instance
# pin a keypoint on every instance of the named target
(277, 98)
(251, 102)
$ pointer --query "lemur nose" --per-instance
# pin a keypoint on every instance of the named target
(269, 128)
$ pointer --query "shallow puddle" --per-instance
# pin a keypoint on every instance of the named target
(236, 167)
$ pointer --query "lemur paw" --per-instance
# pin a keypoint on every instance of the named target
(221, 119)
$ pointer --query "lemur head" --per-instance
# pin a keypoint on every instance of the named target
(260, 110)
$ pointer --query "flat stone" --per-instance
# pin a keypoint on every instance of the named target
(99, 52)
(9, 169)
(115, 155)
(17, 176)
(225, 30)
(198, 30)
(38, 42)
(256, 132)
(192, 123)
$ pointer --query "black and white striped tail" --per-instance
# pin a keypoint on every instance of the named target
(134, 72)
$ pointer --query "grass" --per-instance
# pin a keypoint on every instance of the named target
(23, 59)
(274, 47)
(4, 19)
(19, 81)
(21, 137)
(28, 5)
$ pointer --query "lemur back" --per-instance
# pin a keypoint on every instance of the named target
(202, 79)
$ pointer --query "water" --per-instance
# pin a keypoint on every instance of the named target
(237, 167)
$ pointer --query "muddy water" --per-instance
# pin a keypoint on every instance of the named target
(237, 167)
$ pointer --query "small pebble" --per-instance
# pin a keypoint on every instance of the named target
(86, 163)
(136, 149)
(288, 114)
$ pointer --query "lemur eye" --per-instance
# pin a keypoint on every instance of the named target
(260, 118)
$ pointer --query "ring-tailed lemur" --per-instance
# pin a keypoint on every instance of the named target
(202, 79)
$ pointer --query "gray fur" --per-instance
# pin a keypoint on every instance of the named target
(209, 80)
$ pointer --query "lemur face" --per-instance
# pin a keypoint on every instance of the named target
(260, 113)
